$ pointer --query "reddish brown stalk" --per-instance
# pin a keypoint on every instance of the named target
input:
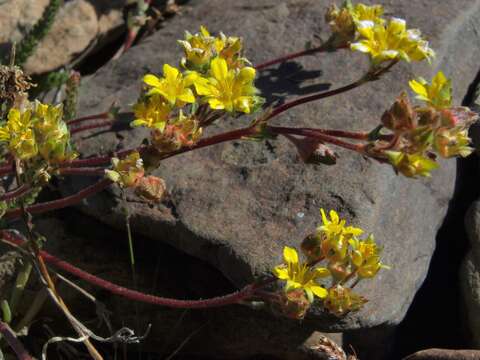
(230, 299)
(12, 340)
(370, 76)
(321, 48)
(92, 126)
(6, 169)
(282, 108)
(85, 171)
(325, 138)
(21, 190)
(216, 139)
(336, 133)
(60, 203)
(104, 115)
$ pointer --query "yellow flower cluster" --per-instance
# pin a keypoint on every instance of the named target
(422, 132)
(37, 132)
(347, 257)
(362, 27)
(215, 80)
(130, 173)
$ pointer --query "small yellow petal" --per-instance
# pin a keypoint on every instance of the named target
(219, 68)
(319, 291)
(290, 255)
(151, 80)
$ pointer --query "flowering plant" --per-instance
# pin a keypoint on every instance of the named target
(214, 80)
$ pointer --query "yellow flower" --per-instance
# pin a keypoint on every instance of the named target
(18, 133)
(362, 12)
(342, 300)
(300, 276)
(438, 94)
(411, 165)
(365, 257)
(230, 49)
(391, 42)
(181, 131)
(199, 48)
(452, 142)
(126, 172)
(152, 112)
(228, 89)
(343, 21)
(335, 236)
(52, 134)
(172, 86)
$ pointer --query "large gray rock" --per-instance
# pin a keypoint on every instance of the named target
(445, 354)
(470, 275)
(79, 26)
(237, 204)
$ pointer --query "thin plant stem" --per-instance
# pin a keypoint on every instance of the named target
(60, 203)
(233, 298)
(14, 343)
(84, 171)
(20, 191)
(325, 138)
(92, 126)
(371, 75)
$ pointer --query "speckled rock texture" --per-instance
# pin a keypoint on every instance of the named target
(236, 205)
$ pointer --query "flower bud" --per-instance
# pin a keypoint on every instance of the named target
(452, 142)
(151, 188)
(400, 116)
(294, 304)
(313, 151)
(342, 300)
(311, 247)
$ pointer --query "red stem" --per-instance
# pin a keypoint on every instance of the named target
(233, 298)
(326, 138)
(321, 48)
(21, 190)
(337, 133)
(280, 109)
(6, 169)
(104, 115)
(12, 340)
(60, 203)
(86, 171)
(213, 140)
(92, 126)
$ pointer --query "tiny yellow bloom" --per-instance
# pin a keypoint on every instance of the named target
(335, 236)
(342, 300)
(199, 48)
(300, 276)
(365, 257)
(18, 133)
(172, 86)
(180, 131)
(362, 12)
(228, 89)
(437, 94)
(51, 133)
(452, 142)
(152, 112)
(391, 41)
(128, 171)
(411, 165)
(343, 21)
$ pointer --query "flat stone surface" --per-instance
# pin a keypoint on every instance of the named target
(237, 204)
(445, 354)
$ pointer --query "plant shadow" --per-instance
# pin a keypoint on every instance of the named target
(288, 79)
